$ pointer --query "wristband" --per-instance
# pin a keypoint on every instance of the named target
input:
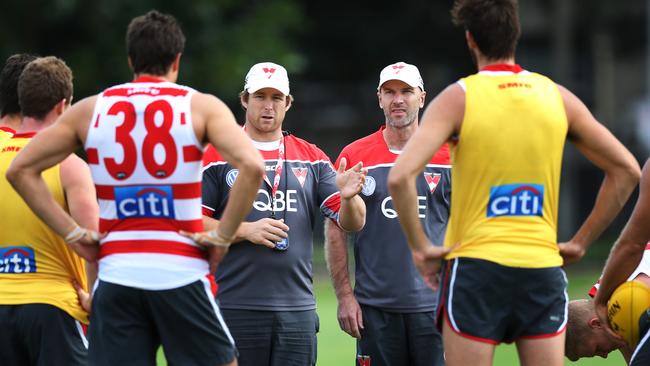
(75, 235)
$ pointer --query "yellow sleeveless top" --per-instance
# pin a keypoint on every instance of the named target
(506, 169)
(36, 265)
(6, 133)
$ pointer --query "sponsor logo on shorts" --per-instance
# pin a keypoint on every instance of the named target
(17, 260)
(144, 201)
(363, 360)
(231, 176)
(516, 200)
(369, 186)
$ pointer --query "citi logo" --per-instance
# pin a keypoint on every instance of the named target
(516, 200)
(144, 201)
(17, 260)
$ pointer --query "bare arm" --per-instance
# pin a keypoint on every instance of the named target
(215, 123)
(607, 153)
(336, 256)
(24, 174)
(440, 121)
(82, 204)
(628, 250)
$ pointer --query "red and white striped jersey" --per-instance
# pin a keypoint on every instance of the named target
(643, 267)
(146, 163)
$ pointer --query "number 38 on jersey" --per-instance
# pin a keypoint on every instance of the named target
(158, 149)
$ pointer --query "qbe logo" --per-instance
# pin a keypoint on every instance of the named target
(17, 260)
(516, 200)
(144, 201)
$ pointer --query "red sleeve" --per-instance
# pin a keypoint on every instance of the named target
(344, 154)
(210, 155)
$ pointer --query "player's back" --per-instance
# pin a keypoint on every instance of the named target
(36, 265)
(506, 174)
(146, 163)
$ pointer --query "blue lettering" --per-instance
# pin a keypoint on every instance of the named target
(516, 200)
(144, 201)
(17, 260)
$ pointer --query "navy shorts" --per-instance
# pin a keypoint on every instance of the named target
(128, 325)
(641, 355)
(391, 338)
(274, 338)
(40, 335)
(491, 303)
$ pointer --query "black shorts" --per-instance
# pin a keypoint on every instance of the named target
(491, 303)
(391, 338)
(127, 325)
(641, 355)
(274, 338)
(40, 334)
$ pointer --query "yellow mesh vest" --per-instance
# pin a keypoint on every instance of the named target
(506, 171)
(36, 265)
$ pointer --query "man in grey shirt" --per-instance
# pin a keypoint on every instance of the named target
(265, 280)
(392, 310)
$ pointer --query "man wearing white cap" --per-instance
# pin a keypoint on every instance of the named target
(266, 279)
(391, 311)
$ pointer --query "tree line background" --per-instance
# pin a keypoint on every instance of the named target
(334, 51)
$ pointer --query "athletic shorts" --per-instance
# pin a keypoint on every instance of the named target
(274, 338)
(40, 335)
(641, 355)
(127, 325)
(390, 338)
(491, 303)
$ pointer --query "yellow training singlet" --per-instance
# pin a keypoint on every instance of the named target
(506, 169)
(36, 265)
(6, 133)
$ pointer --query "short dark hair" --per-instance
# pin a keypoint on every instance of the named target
(9, 76)
(494, 24)
(152, 42)
(44, 83)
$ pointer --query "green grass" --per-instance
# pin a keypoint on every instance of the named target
(336, 348)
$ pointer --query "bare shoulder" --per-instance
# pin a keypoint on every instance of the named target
(204, 103)
(74, 171)
(79, 116)
(208, 112)
(575, 109)
(451, 99)
(86, 105)
(447, 108)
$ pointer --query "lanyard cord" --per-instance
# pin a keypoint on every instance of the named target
(280, 167)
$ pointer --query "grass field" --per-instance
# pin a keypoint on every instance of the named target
(336, 348)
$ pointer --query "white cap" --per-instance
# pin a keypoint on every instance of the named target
(267, 75)
(401, 71)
